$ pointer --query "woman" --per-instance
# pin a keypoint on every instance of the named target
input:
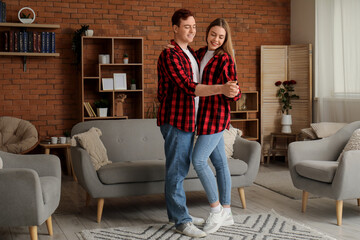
(217, 67)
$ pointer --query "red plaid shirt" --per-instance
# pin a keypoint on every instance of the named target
(176, 89)
(214, 111)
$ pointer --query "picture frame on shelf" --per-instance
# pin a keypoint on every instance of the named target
(107, 84)
(120, 81)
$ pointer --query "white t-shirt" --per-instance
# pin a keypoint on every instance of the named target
(196, 77)
(208, 55)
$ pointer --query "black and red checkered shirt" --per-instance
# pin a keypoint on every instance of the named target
(176, 89)
(214, 111)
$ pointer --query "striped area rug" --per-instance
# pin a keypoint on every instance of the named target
(269, 226)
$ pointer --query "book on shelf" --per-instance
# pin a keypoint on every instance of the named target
(87, 110)
(90, 111)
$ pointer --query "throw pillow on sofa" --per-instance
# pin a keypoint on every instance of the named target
(92, 143)
(352, 144)
(229, 139)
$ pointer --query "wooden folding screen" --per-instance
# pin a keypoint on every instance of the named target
(280, 63)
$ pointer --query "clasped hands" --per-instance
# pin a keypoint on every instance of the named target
(230, 89)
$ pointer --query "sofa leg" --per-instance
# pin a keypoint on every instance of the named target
(100, 207)
(242, 197)
(33, 232)
(49, 226)
(305, 196)
(358, 200)
(88, 199)
(339, 210)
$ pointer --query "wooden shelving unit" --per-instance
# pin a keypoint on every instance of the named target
(244, 115)
(9, 26)
(92, 74)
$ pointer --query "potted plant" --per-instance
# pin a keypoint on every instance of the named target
(285, 94)
(25, 18)
(126, 58)
(76, 42)
(133, 84)
(102, 106)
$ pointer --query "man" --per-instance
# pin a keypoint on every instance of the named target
(177, 87)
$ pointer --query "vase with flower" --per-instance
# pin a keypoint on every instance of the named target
(285, 94)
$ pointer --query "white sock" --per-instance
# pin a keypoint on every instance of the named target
(216, 209)
(227, 210)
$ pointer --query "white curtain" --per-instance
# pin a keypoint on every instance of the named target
(337, 61)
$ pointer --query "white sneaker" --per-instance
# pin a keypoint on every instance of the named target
(229, 220)
(215, 221)
(189, 229)
(195, 221)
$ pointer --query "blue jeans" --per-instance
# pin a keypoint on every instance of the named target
(178, 150)
(213, 146)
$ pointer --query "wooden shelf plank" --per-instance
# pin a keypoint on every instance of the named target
(29, 54)
(32, 25)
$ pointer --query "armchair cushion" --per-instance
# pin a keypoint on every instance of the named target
(326, 129)
(323, 171)
(352, 144)
(92, 143)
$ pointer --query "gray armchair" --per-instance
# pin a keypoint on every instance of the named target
(314, 168)
(30, 188)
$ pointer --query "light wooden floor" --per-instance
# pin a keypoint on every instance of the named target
(72, 216)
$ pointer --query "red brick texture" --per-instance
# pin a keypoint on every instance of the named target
(47, 93)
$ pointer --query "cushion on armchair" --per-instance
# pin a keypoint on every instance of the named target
(17, 135)
(323, 171)
(326, 129)
(352, 144)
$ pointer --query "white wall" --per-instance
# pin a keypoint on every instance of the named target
(302, 30)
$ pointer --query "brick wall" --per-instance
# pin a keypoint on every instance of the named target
(47, 93)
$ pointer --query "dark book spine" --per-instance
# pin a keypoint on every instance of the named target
(11, 41)
(52, 42)
(43, 42)
(3, 12)
(47, 47)
(21, 41)
(30, 43)
(38, 41)
(26, 41)
(6, 41)
(35, 42)
(16, 41)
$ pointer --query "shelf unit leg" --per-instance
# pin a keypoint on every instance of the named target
(24, 62)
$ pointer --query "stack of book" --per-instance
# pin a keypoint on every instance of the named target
(2, 11)
(22, 41)
(89, 109)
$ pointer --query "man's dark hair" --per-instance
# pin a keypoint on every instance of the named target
(180, 14)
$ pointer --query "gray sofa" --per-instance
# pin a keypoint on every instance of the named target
(136, 148)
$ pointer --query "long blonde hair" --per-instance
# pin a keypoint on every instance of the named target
(227, 45)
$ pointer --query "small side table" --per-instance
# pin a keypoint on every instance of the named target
(66, 146)
(274, 148)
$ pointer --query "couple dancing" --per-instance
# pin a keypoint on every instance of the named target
(194, 91)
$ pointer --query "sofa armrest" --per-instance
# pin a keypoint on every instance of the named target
(85, 172)
(347, 176)
(249, 152)
(43, 164)
(20, 195)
